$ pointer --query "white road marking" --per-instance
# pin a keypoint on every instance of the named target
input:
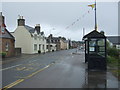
(10, 67)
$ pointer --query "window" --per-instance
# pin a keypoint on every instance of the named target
(97, 46)
(101, 42)
(35, 36)
(47, 47)
(7, 46)
(39, 46)
(43, 38)
(3, 29)
(43, 47)
(39, 37)
(35, 47)
(92, 45)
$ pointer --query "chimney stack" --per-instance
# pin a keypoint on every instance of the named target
(21, 21)
(37, 27)
(2, 18)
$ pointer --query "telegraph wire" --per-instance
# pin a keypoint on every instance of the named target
(77, 20)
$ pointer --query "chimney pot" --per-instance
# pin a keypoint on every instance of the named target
(21, 17)
(37, 25)
(21, 21)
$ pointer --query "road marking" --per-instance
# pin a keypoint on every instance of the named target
(13, 84)
(28, 69)
(10, 67)
(20, 68)
(21, 80)
(37, 71)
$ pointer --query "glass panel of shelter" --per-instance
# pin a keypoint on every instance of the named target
(97, 46)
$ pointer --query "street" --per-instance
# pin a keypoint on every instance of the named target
(60, 69)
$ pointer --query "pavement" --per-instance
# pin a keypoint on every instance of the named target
(62, 69)
(14, 58)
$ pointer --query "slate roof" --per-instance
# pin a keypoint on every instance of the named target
(114, 39)
(94, 34)
(7, 34)
(32, 30)
(53, 40)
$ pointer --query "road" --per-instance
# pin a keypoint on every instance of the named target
(22, 68)
(60, 69)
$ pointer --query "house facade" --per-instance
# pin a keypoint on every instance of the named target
(29, 39)
(51, 44)
(114, 41)
(6, 39)
(64, 44)
(60, 43)
(54, 40)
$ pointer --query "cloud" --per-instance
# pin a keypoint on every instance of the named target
(60, 15)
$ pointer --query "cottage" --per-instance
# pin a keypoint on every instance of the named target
(6, 39)
(30, 39)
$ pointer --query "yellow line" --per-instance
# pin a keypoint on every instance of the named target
(37, 71)
(22, 68)
(21, 80)
(13, 84)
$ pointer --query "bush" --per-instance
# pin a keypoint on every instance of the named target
(3, 54)
(111, 59)
(113, 52)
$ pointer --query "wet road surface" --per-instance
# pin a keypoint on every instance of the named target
(60, 69)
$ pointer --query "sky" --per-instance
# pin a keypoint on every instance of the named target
(59, 15)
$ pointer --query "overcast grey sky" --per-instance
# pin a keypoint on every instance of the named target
(59, 15)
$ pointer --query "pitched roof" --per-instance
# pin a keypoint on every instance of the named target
(94, 34)
(52, 40)
(7, 34)
(114, 39)
(30, 29)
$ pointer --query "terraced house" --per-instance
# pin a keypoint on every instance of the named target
(6, 39)
(29, 39)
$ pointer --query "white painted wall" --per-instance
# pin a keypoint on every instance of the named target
(52, 48)
(24, 40)
(39, 41)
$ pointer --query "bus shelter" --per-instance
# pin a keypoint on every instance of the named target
(95, 50)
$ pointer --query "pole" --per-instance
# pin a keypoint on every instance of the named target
(95, 17)
(83, 32)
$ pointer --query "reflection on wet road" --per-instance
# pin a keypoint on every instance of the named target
(67, 71)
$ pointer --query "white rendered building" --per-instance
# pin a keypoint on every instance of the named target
(29, 39)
